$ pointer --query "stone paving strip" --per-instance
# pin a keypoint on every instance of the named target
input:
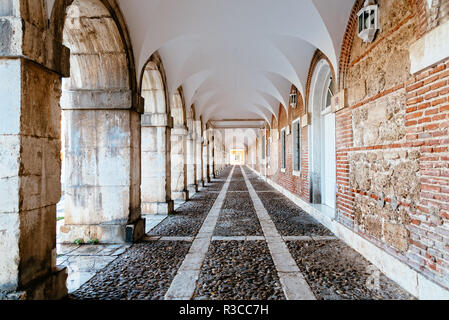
(184, 283)
(159, 238)
(293, 283)
(240, 238)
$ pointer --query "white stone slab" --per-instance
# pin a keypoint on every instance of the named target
(432, 48)
(293, 283)
(297, 238)
(184, 283)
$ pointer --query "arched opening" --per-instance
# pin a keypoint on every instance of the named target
(100, 146)
(323, 162)
(155, 169)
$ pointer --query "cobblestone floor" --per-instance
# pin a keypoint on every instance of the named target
(235, 256)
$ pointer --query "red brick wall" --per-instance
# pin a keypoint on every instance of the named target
(428, 130)
(298, 185)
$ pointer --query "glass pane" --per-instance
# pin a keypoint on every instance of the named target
(361, 23)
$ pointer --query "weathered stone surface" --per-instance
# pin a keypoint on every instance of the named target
(381, 121)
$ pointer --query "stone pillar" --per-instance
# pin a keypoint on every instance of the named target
(198, 154)
(179, 191)
(102, 162)
(156, 167)
(31, 66)
(205, 146)
(211, 155)
(192, 186)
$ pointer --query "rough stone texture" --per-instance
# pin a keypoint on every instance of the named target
(381, 121)
(238, 217)
(188, 218)
(144, 272)
(388, 63)
(238, 270)
(29, 179)
(336, 272)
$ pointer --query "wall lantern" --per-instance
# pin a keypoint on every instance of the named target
(368, 21)
(294, 99)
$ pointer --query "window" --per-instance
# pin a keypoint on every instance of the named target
(330, 93)
(283, 151)
(294, 100)
(296, 128)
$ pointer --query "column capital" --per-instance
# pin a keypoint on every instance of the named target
(156, 120)
(179, 131)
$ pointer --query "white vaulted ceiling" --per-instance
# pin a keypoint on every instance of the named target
(236, 58)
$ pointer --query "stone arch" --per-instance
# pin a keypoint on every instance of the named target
(156, 139)
(101, 146)
(322, 161)
(345, 53)
(154, 78)
(57, 25)
(317, 57)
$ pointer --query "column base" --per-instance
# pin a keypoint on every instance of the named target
(105, 234)
(135, 231)
(178, 197)
(192, 189)
(51, 287)
(149, 208)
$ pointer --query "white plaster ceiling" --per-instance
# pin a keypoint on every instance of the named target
(236, 58)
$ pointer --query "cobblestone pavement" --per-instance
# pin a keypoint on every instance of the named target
(240, 248)
(239, 270)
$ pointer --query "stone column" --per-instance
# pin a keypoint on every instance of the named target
(192, 186)
(205, 146)
(31, 66)
(179, 191)
(211, 155)
(156, 167)
(102, 162)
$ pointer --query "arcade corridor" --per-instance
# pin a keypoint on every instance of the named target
(237, 252)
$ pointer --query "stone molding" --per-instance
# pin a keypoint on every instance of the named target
(179, 131)
(156, 120)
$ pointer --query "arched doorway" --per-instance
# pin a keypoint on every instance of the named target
(323, 161)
